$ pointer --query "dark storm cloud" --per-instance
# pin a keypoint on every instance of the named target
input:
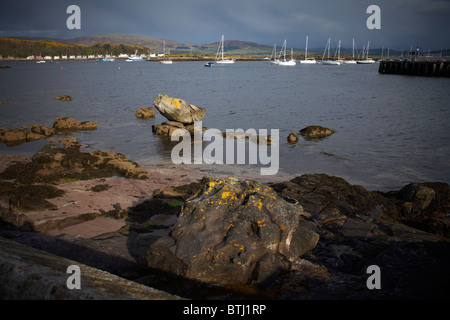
(403, 22)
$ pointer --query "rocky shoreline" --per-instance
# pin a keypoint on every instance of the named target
(193, 236)
(344, 229)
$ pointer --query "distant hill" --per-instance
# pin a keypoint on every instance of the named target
(151, 43)
(156, 45)
(120, 43)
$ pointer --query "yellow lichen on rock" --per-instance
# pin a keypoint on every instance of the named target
(176, 103)
(230, 195)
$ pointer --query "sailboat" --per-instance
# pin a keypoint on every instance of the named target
(328, 61)
(307, 60)
(165, 60)
(353, 61)
(284, 62)
(219, 56)
(339, 54)
(366, 59)
(273, 56)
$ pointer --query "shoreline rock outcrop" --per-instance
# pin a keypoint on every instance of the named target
(28, 185)
(28, 273)
(53, 162)
(34, 132)
(354, 228)
(332, 201)
(234, 232)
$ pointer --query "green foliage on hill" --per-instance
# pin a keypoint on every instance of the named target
(23, 48)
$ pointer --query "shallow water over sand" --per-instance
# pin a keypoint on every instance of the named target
(390, 130)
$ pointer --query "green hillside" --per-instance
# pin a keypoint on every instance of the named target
(23, 48)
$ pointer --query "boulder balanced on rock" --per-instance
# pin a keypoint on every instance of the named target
(234, 232)
(178, 110)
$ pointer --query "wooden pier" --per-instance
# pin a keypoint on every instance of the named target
(416, 68)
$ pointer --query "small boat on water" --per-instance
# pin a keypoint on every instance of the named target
(219, 56)
(109, 60)
(40, 61)
(210, 64)
(135, 57)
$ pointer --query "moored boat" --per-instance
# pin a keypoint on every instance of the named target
(284, 61)
(220, 51)
(135, 57)
(307, 60)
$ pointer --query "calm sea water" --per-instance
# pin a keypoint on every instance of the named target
(390, 130)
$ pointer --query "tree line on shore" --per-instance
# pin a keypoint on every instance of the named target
(23, 48)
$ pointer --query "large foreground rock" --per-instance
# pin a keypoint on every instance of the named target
(234, 232)
(28, 273)
(178, 110)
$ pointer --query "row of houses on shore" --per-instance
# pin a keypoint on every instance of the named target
(83, 57)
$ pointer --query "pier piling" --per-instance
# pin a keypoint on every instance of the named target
(416, 68)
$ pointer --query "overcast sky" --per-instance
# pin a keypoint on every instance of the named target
(404, 23)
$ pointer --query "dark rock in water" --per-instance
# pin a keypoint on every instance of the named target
(37, 131)
(316, 132)
(145, 113)
(68, 123)
(178, 110)
(233, 232)
(167, 129)
(63, 98)
(31, 136)
(43, 130)
(292, 138)
(14, 137)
